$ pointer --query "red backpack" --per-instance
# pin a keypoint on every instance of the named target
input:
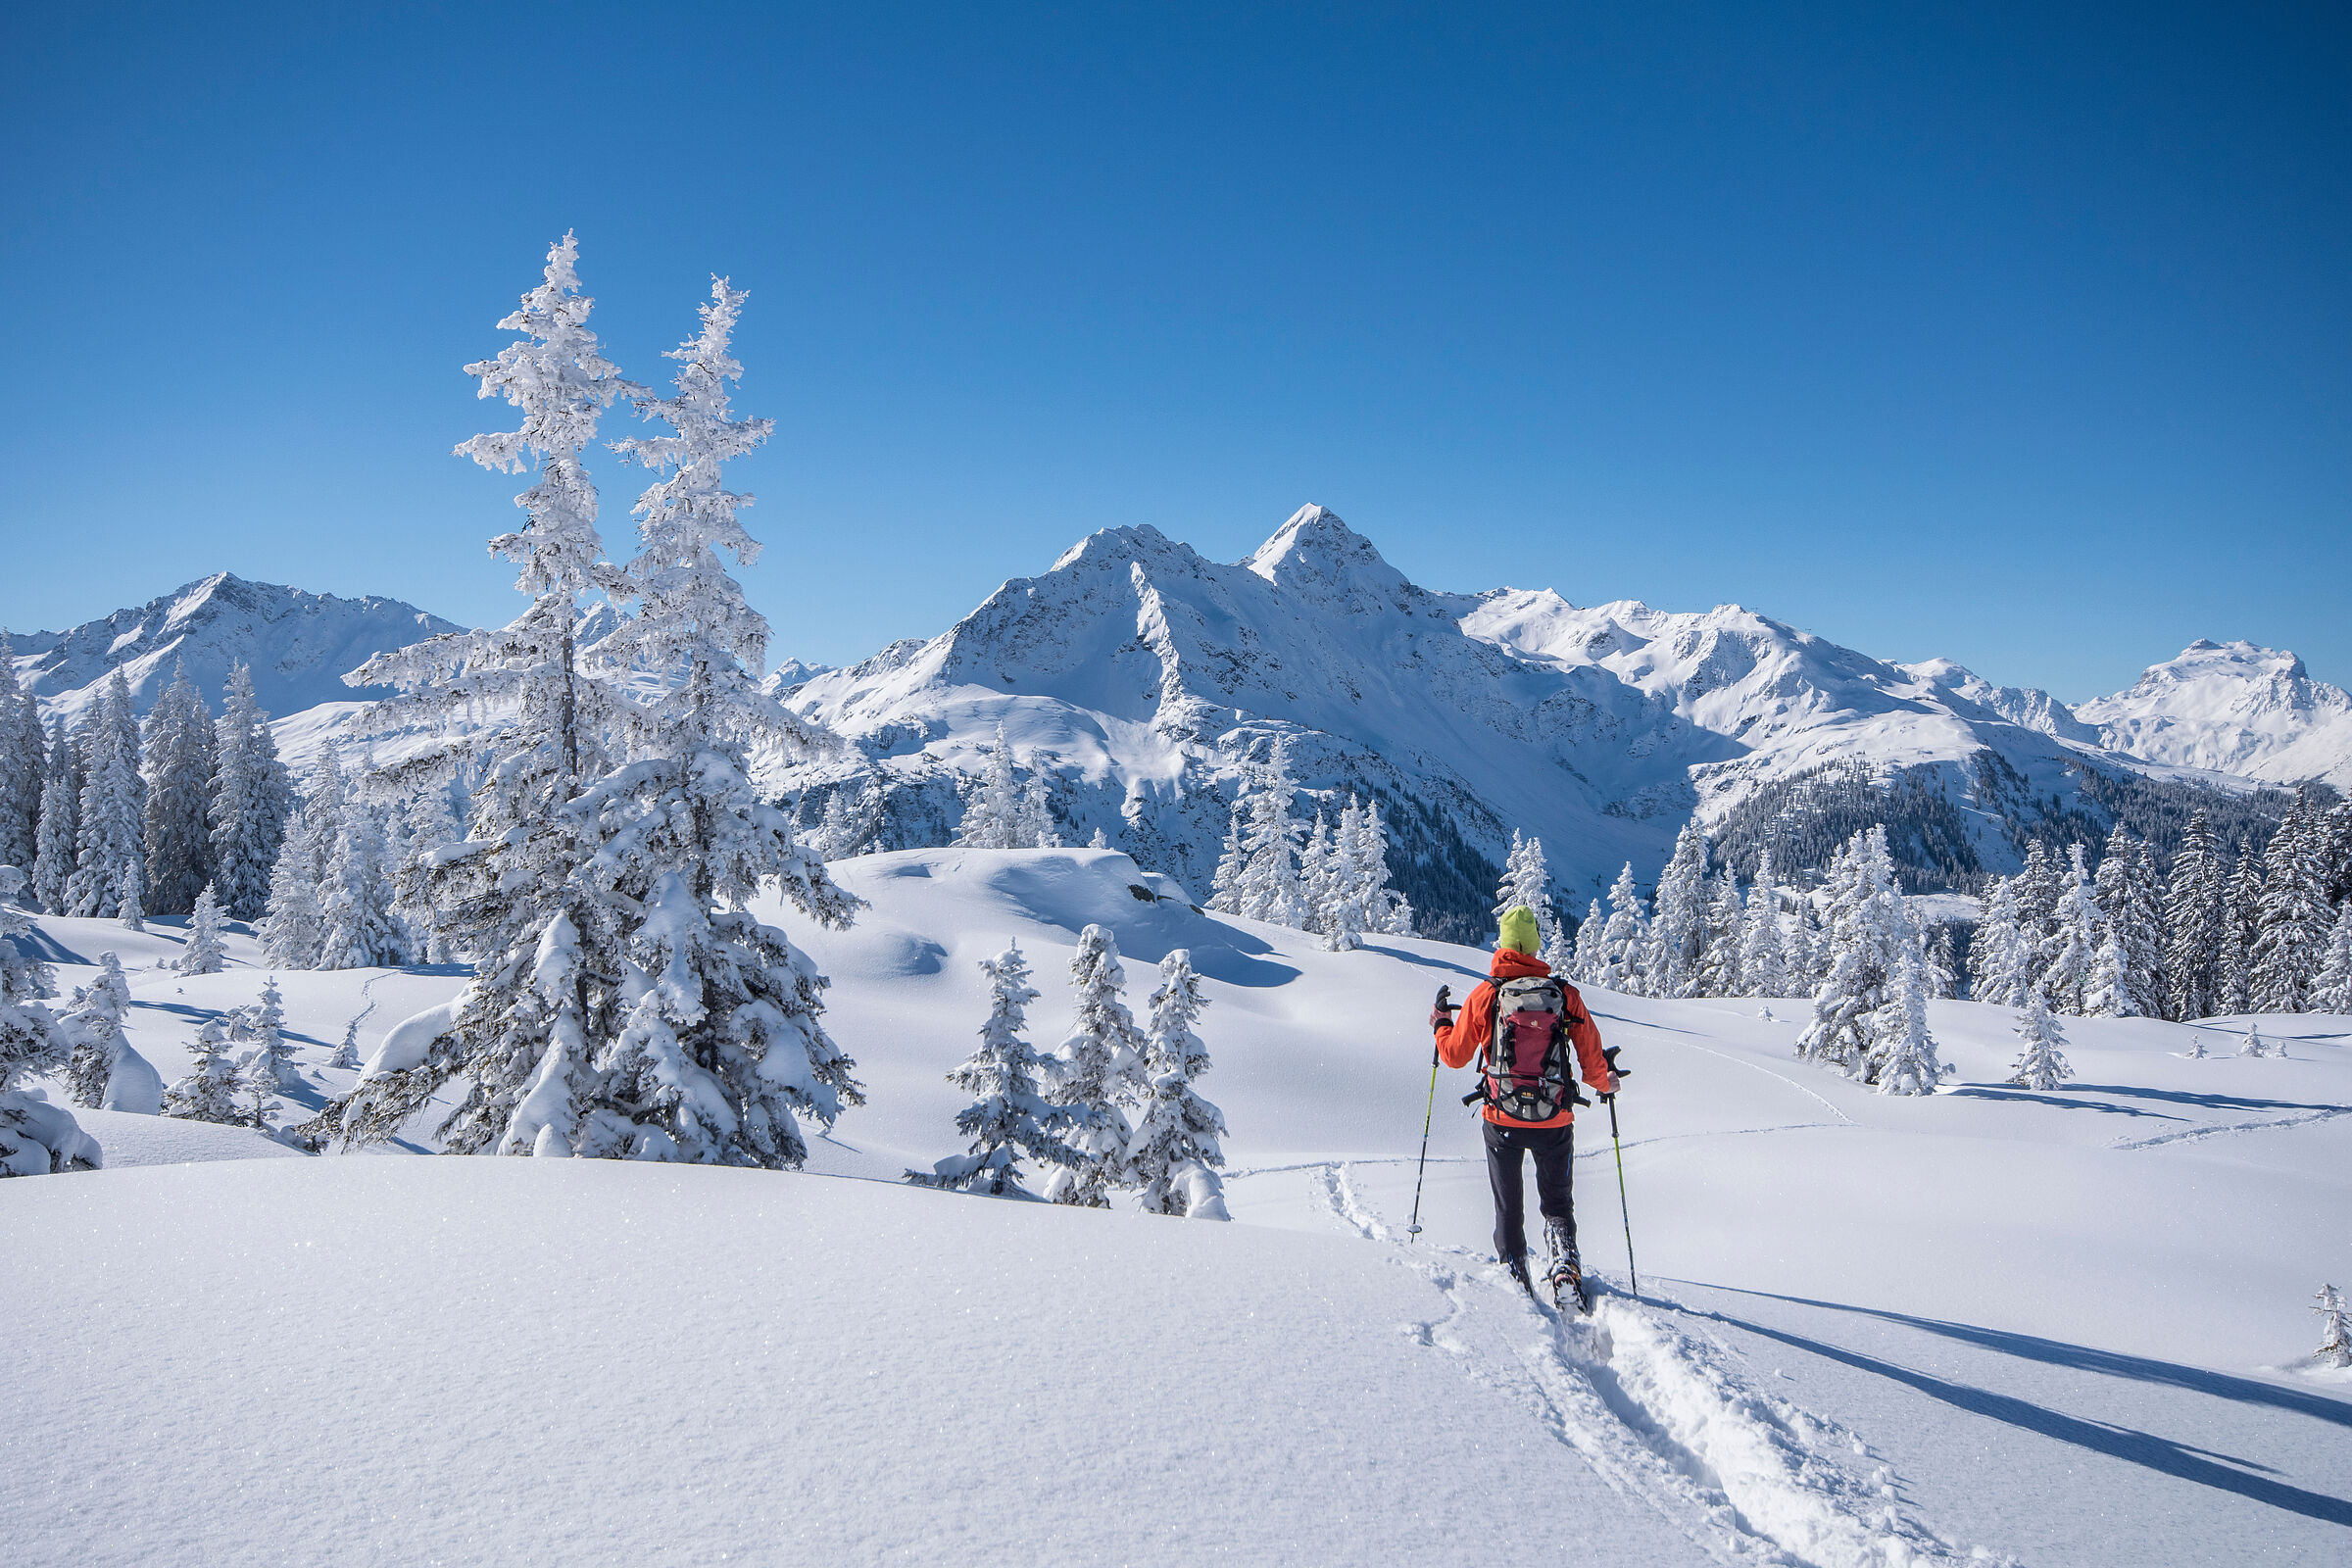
(1524, 1070)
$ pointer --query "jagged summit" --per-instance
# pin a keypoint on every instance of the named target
(2233, 707)
(298, 643)
(1318, 557)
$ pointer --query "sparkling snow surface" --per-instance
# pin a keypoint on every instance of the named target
(2064, 1327)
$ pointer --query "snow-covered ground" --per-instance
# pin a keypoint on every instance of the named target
(2064, 1328)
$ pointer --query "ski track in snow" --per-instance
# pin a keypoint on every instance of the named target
(2228, 1128)
(1661, 1416)
(1661, 1037)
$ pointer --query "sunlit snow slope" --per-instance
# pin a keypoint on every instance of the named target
(2063, 1327)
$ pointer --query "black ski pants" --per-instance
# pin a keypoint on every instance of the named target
(1552, 1147)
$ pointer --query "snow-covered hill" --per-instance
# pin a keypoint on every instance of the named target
(2233, 707)
(299, 645)
(2063, 1327)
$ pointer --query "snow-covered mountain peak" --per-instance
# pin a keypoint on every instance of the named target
(2233, 706)
(1319, 558)
(298, 643)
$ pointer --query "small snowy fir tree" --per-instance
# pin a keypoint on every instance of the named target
(1719, 972)
(1225, 884)
(1315, 873)
(1906, 1062)
(1997, 966)
(2254, 1045)
(36, 1138)
(1871, 941)
(361, 931)
(1173, 1152)
(94, 1026)
(1099, 1074)
(114, 806)
(993, 804)
(291, 930)
(206, 952)
(1100, 841)
(2331, 987)
(264, 1023)
(179, 752)
(1037, 831)
(60, 826)
(2193, 910)
(2196, 1046)
(1585, 965)
(1623, 937)
(2335, 1329)
(1385, 910)
(2068, 952)
(23, 752)
(130, 898)
(1267, 888)
(209, 1093)
(257, 1095)
(2039, 1067)
(2109, 993)
(1010, 1119)
(251, 798)
(347, 1050)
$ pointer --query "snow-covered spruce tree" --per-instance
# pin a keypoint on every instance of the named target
(360, 931)
(1525, 881)
(114, 806)
(992, 803)
(2038, 886)
(130, 897)
(264, 1023)
(1679, 929)
(1267, 888)
(428, 825)
(2067, 953)
(1099, 1074)
(1719, 972)
(2040, 1064)
(1996, 959)
(1871, 939)
(2253, 1044)
(1037, 809)
(1385, 910)
(317, 821)
(251, 798)
(60, 827)
(1225, 885)
(1010, 1119)
(2331, 988)
(1623, 937)
(2107, 994)
(36, 1138)
(93, 1026)
(209, 1093)
(178, 750)
(506, 895)
(2335, 1329)
(709, 1047)
(206, 952)
(1315, 873)
(2193, 915)
(2233, 961)
(1584, 962)
(2293, 920)
(1763, 955)
(1906, 1062)
(1942, 962)
(2144, 930)
(1173, 1152)
(22, 757)
(1100, 841)
(1345, 908)
(257, 1095)
(347, 1050)
(291, 929)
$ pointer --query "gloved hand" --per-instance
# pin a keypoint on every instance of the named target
(1605, 1090)
(1440, 1018)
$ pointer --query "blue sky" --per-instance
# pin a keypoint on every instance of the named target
(2021, 335)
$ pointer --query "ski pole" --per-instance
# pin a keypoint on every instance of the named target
(1414, 1229)
(1625, 1214)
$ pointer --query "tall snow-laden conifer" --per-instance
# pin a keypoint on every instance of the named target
(36, 1138)
(264, 1022)
(206, 952)
(22, 756)
(60, 829)
(2193, 916)
(2040, 1065)
(1173, 1152)
(358, 928)
(292, 928)
(1037, 809)
(2331, 988)
(1525, 881)
(1225, 884)
(251, 798)
(2107, 992)
(2293, 920)
(1267, 887)
(209, 1093)
(1719, 972)
(1997, 963)
(114, 806)
(1870, 939)
(2068, 951)
(2233, 965)
(180, 787)
(1099, 1074)
(1905, 1062)
(507, 894)
(1623, 937)
(1010, 1119)
(1584, 962)
(716, 1046)
(1385, 910)
(1679, 928)
(1763, 955)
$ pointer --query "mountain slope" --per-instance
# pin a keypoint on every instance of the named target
(298, 643)
(1144, 677)
(2233, 707)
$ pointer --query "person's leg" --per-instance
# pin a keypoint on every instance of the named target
(1554, 1148)
(1510, 1197)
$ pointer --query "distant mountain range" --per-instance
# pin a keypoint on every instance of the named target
(1145, 678)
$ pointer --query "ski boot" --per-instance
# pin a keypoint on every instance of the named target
(1567, 1274)
(1518, 1267)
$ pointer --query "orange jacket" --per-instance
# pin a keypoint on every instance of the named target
(1474, 1025)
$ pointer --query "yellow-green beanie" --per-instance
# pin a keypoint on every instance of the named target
(1519, 932)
